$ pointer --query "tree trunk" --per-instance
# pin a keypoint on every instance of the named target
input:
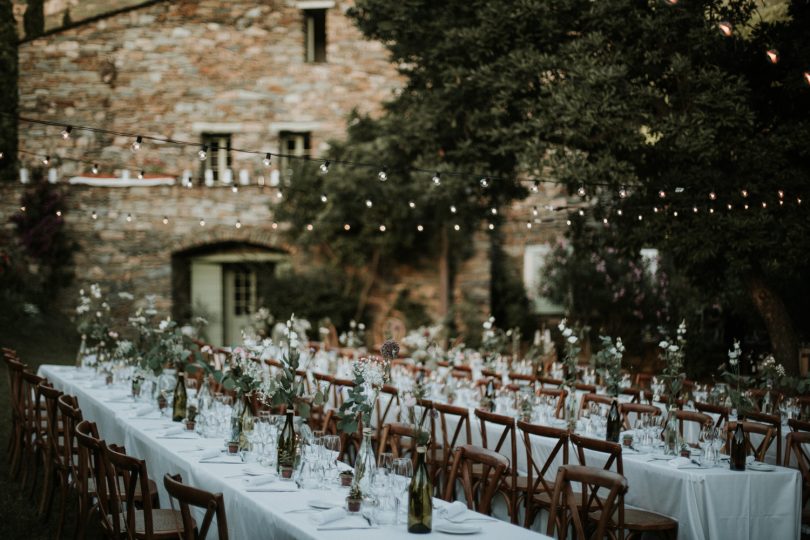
(8, 89)
(784, 341)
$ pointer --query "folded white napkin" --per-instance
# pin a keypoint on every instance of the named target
(454, 510)
(210, 453)
(276, 487)
(749, 460)
(176, 430)
(328, 516)
(260, 480)
(143, 410)
(679, 462)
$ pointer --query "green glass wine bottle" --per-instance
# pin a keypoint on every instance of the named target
(180, 399)
(420, 499)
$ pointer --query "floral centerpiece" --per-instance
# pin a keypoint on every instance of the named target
(422, 343)
(572, 349)
(608, 363)
(369, 374)
(737, 382)
(493, 341)
(261, 322)
(94, 323)
(355, 337)
(415, 419)
(672, 353)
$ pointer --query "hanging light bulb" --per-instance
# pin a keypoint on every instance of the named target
(568, 222)
(129, 218)
(369, 204)
(347, 227)
(238, 224)
(46, 160)
(382, 228)
(662, 194)
(411, 204)
(140, 175)
(581, 191)
(202, 223)
(581, 212)
(725, 28)
(95, 168)
(268, 158)
(137, 144)
(619, 212)
(671, 2)
(675, 213)
(491, 226)
(764, 204)
(484, 182)
(279, 194)
(457, 227)
(494, 211)
(420, 228)
(781, 194)
(165, 220)
(309, 226)
(713, 196)
(623, 193)
(234, 189)
(535, 187)
(452, 209)
(806, 75)
(202, 153)
(640, 217)
(324, 167)
(66, 132)
(798, 200)
(781, 202)
(2, 155)
(324, 198)
(745, 206)
(605, 221)
(694, 209)
(383, 174)
(729, 206)
(94, 215)
(744, 193)
(772, 55)
(535, 212)
(437, 178)
(711, 210)
(528, 224)
(655, 209)
(274, 225)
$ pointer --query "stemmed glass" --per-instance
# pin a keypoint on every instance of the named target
(403, 471)
(706, 440)
(331, 445)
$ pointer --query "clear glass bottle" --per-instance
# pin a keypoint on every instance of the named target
(365, 466)
(671, 447)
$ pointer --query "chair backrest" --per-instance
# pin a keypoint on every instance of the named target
(537, 481)
(721, 412)
(508, 435)
(32, 405)
(612, 449)
(90, 459)
(55, 448)
(587, 399)
(477, 495)
(523, 377)
(626, 409)
(560, 393)
(582, 387)
(391, 440)
(758, 397)
(634, 393)
(387, 405)
(93, 455)
(338, 385)
(565, 501)
(15, 381)
(798, 425)
(71, 415)
(644, 381)
(796, 444)
(212, 503)
(461, 415)
(775, 422)
(133, 471)
(691, 416)
(764, 430)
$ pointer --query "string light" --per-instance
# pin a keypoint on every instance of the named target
(140, 175)
(95, 168)
(137, 144)
(745, 206)
(764, 204)
(382, 228)
(773, 55)
(491, 226)
(58, 213)
(623, 193)
(420, 228)
(165, 220)
(619, 211)
(46, 160)
(234, 189)
(279, 194)
(2, 155)
(369, 204)
(94, 215)
(452, 209)
(383, 174)
(202, 223)
(202, 153)
(581, 212)
(437, 178)
(494, 211)
(662, 194)
(457, 227)
(581, 191)
(640, 217)
(535, 212)
(605, 221)
(725, 28)
(535, 187)
(22, 209)
(781, 194)
(798, 200)
(695, 209)
(729, 206)
(129, 218)
(324, 167)
(528, 224)
(484, 182)
(568, 222)
(655, 209)
(66, 132)
(713, 196)
(274, 225)
(806, 75)
(238, 224)
(711, 210)
(744, 193)
(268, 159)
(324, 198)
(675, 213)
(309, 226)
(347, 227)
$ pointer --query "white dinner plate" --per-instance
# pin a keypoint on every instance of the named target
(321, 504)
(759, 466)
(456, 528)
(255, 471)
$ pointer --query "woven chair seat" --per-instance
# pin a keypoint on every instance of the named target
(641, 520)
(165, 523)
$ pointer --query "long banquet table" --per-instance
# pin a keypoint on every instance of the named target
(250, 514)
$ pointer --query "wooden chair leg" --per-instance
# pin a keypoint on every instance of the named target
(63, 495)
(47, 490)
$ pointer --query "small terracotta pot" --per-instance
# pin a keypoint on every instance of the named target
(286, 472)
(233, 447)
(346, 480)
(685, 453)
(353, 505)
(190, 425)
(627, 441)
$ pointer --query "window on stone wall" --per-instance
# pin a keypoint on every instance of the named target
(293, 144)
(219, 154)
(315, 35)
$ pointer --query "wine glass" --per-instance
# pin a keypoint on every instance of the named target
(331, 444)
(386, 462)
(403, 471)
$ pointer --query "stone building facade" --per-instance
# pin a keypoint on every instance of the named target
(278, 75)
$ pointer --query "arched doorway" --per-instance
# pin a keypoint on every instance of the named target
(222, 282)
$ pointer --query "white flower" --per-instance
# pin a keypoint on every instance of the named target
(561, 326)
(572, 339)
(84, 308)
(663, 344)
(95, 290)
(567, 332)
(780, 370)
(361, 326)
(164, 324)
(352, 324)
(673, 348)
(487, 325)
(98, 314)
(125, 296)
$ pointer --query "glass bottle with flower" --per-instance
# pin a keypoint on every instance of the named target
(572, 348)
(369, 375)
(672, 353)
(608, 363)
(94, 324)
(737, 382)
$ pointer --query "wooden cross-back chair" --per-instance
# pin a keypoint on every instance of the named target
(34, 429)
(550, 382)
(626, 409)
(559, 393)
(54, 469)
(582, 387)
(396, 438)
(123, 519)
(598, 399)
(460, 434)
(479, 489)
(212, 503)
(795, 445)
(636, 521)
(758, 397)
(763, 430)
(15, 370)
(798, 425)
(387, 407)
(570, 508)
(513, 486)
(721, 411)
(692, 416)
(70, 415)
(634, 393)
(775, 423)
(540, 488)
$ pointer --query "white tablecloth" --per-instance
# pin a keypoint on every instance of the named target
(250, 514)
